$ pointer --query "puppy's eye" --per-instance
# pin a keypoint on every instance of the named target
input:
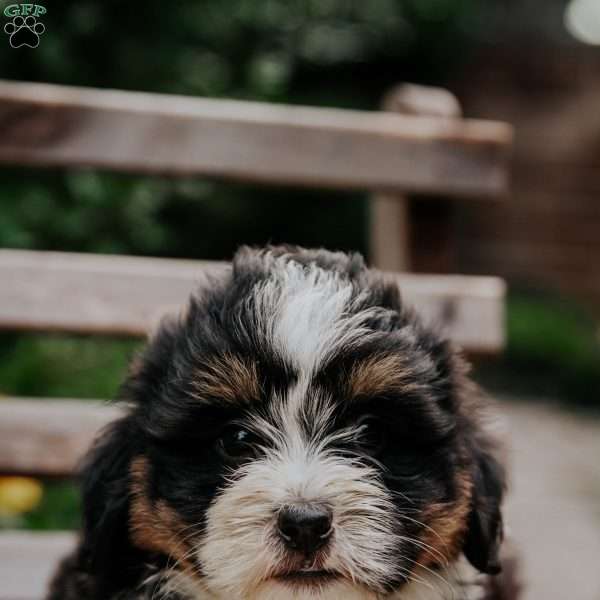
(237, 443)
(370, 435)
(405, 468)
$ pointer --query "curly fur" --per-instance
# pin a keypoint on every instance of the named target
(332, 394)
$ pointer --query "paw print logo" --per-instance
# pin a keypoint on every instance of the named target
(24, 31)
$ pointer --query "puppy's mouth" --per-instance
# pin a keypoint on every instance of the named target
(308, 577)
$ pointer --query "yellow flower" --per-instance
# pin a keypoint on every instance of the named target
(19, 495)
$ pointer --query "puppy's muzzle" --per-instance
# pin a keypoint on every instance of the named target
(305, 527)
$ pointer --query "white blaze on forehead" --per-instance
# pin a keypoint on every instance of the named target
(307, 311)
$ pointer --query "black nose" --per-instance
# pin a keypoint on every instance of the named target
(304, 527)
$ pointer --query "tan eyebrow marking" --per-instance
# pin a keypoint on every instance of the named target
(446, 523)
(382, 373)
(228, 378)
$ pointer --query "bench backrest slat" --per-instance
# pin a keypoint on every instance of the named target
(90, 293)
(49, 125)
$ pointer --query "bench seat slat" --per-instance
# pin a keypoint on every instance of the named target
(28, 560)
(50, 125)
(90, 293)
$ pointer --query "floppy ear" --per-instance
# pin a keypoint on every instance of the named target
(484, 533)
(105, 490)
(485, 529)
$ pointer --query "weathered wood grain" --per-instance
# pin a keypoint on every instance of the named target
(49, 125)
(48, 437)
(90, 293)
(390, 226)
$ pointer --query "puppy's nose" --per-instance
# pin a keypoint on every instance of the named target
(304, 527)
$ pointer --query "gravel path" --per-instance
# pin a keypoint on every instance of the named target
(553, 512)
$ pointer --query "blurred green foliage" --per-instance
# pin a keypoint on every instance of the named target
(323, 52)
(59, 508)
(86, 211)
(276, 49)
(552, 352)
(63, 366)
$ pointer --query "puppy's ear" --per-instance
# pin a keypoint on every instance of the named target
(105, 490)
(485, 529)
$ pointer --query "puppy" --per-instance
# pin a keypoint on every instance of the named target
(297, 434)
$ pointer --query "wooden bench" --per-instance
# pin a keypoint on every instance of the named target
(46, 125)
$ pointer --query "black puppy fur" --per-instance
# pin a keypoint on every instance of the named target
(154, 476)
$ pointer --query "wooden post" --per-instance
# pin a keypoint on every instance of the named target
(389, 235)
